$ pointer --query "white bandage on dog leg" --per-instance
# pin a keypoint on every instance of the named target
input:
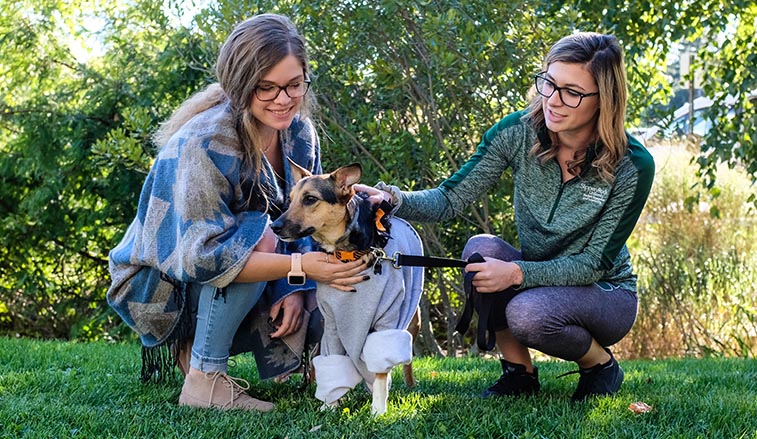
(335, 375)
(385, 349)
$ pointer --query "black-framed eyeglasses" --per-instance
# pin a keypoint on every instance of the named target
(269, 92)
(571, 98)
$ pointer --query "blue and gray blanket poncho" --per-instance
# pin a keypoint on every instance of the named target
(194, 225)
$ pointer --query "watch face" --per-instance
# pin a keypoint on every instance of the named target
(296, 279)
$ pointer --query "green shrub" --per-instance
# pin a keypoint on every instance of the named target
(694, 252)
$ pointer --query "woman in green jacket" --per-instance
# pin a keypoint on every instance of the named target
(580, 183)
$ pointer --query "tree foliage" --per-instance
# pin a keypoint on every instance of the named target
(729, 64)
(74, 151)
(405, 87)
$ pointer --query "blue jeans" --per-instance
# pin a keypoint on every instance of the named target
(218, 318)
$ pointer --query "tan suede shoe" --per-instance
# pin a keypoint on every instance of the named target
(216, 389)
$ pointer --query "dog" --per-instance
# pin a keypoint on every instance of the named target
(367, 332)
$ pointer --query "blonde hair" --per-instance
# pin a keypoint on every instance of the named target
(603, 58)
(251, 50)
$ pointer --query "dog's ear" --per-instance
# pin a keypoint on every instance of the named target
(348, 175)
(298, 172)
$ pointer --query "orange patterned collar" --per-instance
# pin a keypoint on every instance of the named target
(349, 256)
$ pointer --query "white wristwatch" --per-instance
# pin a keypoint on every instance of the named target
(296, 276)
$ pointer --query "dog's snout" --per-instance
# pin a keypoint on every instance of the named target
(276, 226)
(288, 230)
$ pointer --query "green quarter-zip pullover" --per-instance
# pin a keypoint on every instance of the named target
(571, 233)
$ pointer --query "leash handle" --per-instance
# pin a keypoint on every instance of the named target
(482, 304)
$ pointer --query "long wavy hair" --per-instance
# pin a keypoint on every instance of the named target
(252, 49)
(603, 58)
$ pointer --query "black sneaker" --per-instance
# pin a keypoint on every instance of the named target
(600, 380)
(514, 381)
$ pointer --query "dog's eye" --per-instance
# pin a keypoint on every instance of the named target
(309, 200)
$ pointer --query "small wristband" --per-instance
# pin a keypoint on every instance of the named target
(296, 276)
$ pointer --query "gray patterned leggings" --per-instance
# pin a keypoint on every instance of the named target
(559, 321)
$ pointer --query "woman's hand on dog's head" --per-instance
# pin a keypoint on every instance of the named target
(376, 196)
(327, 269)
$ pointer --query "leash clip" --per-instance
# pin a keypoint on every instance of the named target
(381, 256)
(396, 260)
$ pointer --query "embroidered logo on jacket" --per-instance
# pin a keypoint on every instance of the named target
(593, 194)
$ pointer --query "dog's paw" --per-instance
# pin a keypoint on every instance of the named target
(283, 378)
(329, 406)
(378, 410)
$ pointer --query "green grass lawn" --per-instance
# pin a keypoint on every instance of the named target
(90, 390)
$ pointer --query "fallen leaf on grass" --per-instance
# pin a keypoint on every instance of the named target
(639, 407)
(316, 428)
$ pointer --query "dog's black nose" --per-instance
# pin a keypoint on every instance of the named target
(276, 227)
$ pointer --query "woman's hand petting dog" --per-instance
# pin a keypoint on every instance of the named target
(495, 275)
(375, 196)
(325, 269)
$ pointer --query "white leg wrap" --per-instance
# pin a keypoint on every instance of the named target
(335, 375)
(385, 349)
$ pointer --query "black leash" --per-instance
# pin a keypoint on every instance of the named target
(399, 260)
(427, 261)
